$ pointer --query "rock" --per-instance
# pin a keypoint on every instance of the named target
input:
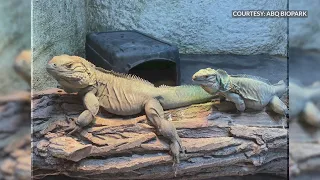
(304, 33)
(59, 28)
(196, 27)
(15, 35)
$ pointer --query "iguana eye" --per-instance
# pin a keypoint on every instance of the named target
(206, 76)
(69, 65)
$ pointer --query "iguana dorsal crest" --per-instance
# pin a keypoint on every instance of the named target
(252, 77)
(245, 92)
(185, 86)
(163, 86)
(125, 76)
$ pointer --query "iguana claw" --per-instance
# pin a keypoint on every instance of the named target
(176, 158)
(73, 127)
(214, 116)
(183, 150)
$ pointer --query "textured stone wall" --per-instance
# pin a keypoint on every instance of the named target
(304, 33)
(15, 33)
(204, 27)
(59, 27)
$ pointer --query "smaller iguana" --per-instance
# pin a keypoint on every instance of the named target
(244, 90)
(302, 103)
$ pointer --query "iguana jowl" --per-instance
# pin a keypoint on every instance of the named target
(244, 90)
(123, 95)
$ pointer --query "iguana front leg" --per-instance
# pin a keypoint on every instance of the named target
(237, 100)
(155, 114)
(91, 104)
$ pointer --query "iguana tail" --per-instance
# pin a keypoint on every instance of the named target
(179, 96)
(280, 88)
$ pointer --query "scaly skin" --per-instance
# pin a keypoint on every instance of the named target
(123, 95)
(302, 103)
(244, 90)
(22, 65)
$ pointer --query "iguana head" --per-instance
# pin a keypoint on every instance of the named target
(22, 65)
(72, 72)
(213, 79)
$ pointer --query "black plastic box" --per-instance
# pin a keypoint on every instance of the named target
(135, 53)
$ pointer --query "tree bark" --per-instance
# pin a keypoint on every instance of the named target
(115, 147)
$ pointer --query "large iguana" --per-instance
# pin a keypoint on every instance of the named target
(244, 90)
(302, 102)
(123, 94)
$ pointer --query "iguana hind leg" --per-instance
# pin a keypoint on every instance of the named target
(278, 106)
(155, 114)
(91, 104)
(311, 114)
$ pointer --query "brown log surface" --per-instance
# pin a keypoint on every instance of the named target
(115, 147)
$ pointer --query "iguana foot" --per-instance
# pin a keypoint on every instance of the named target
(214, 116)
(222, 99)
(183, 150)
(278, 106)
(175, 168)
(83, 120)
(73, 127)
(238, 113)
(176, 145)
(175, 150)
(311, 114)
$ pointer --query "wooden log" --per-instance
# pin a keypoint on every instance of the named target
(15, 138)
(115, 147)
